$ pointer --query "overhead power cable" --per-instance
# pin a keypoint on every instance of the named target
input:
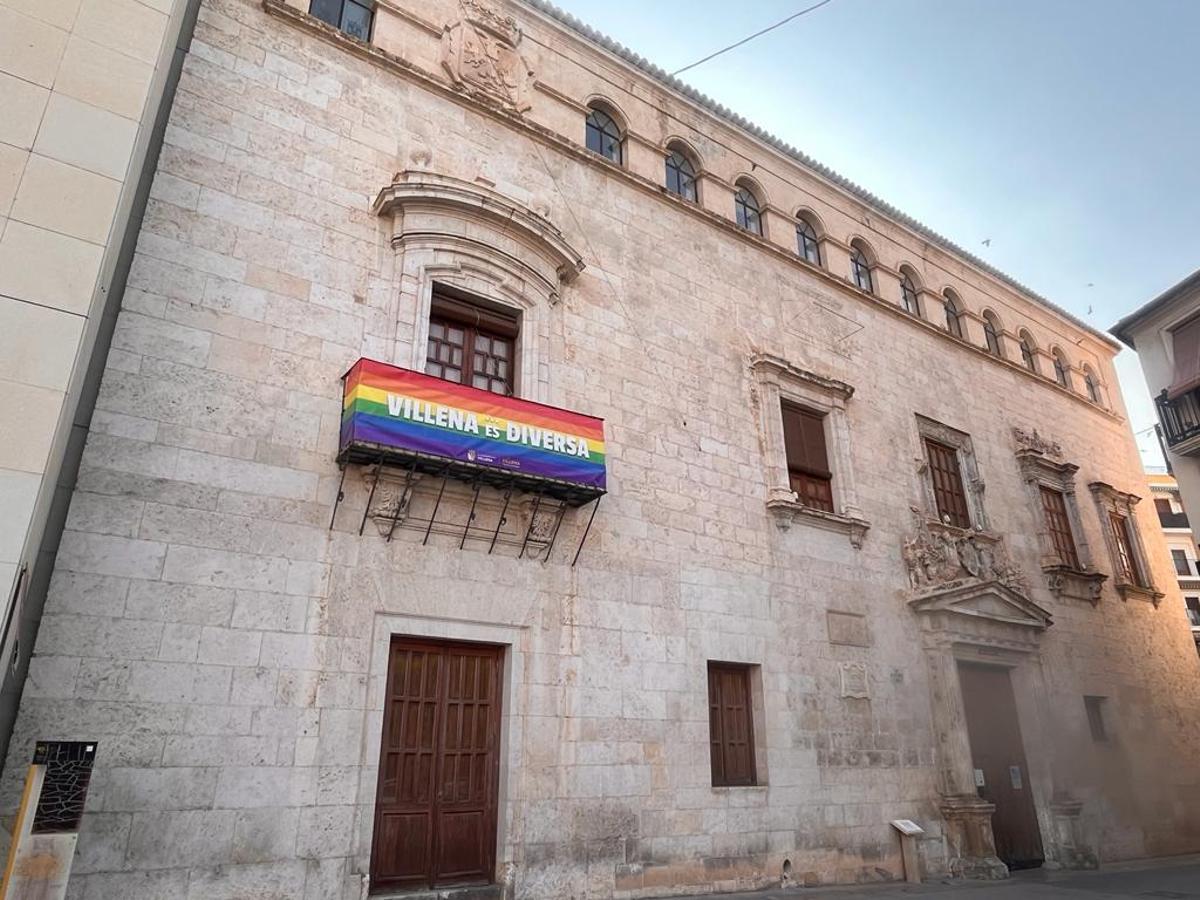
(756, 34)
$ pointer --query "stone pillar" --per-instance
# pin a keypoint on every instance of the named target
(1074, 851)
(971, 846)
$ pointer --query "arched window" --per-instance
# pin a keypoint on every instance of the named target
(1062, 369)
(806, 241)
(1092, 385)
(860, 267)
(1028, 357)
(747, 210)
(909, 298)
(603, 134)
(953, 313)
(681, 174)
(991, 333)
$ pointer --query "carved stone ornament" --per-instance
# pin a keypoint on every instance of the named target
(1064, 581)
(942, 556)
(479, 53)
(1031, 440)
(393, 494)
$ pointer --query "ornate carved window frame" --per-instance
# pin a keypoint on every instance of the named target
(1041, 465)
(467, 236)
(1109, 500)
(777, 381)
(973, 484)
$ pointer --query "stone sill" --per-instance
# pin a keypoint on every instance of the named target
(1078, 584)
(788, 512)
(1138, 592)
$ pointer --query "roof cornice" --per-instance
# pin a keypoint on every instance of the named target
(1124, 328)
(687, 92)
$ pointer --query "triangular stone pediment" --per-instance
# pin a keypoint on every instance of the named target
(991, 600)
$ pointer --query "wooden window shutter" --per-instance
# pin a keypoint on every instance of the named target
(1058, 523)
(731, 725)
(807, 457)
(1127, 560)
(948, 491)
(804, 438)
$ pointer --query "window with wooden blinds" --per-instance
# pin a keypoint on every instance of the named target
(1058, 524)
(731, 725)
(1127, 561)
(470, 344)
(946, 476)
(807, 458)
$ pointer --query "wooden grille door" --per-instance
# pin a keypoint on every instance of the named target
(998, 752)
(435, 809)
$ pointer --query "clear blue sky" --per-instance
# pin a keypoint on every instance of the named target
(1064, 130)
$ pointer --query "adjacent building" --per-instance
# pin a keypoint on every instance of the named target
(513, 469)
(1181, 543)
(85, 88)
(1165, 333)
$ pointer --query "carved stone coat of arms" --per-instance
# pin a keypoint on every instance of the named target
(480, 55)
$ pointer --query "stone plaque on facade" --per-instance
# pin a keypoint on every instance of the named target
(847, 628)
(854, 681)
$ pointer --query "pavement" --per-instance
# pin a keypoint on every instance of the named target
(1176, 878)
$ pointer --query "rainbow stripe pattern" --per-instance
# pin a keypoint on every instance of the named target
(387, 408)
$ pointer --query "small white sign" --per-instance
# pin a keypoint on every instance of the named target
(907, 826)
(1014, 774)
(979, 782)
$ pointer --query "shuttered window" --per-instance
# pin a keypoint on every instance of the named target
(1127, 562)
(731, 725)
(948, 491)
(1058, 524)
(807, 459)
(469, 344)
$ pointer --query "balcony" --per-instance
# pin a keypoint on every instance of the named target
(1173, 520)
(1180, 420)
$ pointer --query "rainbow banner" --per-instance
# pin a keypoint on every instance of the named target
(389, 409)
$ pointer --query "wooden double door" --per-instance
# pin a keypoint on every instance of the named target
(1001, 772)
(436, 804)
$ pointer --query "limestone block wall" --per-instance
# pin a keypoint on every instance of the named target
(226, 648)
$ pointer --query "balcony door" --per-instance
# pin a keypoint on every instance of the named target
(436, 805)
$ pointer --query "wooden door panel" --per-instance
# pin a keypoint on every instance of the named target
(468, 767)
(436, 806)
(402, 848)
(461, 837)
(994, 731)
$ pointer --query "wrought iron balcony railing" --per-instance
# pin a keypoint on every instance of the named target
(1173, 520)
(1180, 417)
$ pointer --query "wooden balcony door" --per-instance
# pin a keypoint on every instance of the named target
(436, 805)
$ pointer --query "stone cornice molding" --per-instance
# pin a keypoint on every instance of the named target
(434, 192)
(763, 363)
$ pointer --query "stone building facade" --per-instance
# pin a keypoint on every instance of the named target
(871, 547)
